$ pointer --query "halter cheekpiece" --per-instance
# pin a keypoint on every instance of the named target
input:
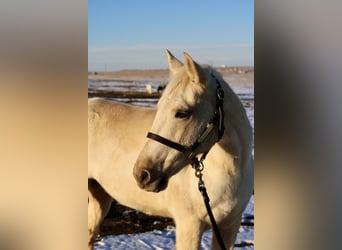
(216, 121)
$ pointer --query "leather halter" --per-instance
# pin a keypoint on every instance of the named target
(217, 120)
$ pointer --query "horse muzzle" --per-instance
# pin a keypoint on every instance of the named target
(149, 179)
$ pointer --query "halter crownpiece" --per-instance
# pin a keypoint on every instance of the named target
(217, 120)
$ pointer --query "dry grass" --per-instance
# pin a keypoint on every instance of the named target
(230, 74)
(124, 220)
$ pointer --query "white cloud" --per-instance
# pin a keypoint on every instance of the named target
(153, 56)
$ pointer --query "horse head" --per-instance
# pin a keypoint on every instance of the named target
(186, 124)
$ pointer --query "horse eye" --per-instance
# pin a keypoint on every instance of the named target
(183, 114)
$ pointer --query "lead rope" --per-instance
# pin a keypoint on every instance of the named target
(199, 166)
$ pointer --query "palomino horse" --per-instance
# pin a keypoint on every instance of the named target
(192, 119)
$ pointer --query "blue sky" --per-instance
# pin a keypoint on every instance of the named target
(133, 34)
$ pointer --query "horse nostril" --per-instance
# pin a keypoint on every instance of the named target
(145, 177)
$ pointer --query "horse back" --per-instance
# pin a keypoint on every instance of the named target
(111, 116)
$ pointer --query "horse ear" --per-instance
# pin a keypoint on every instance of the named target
(174, 63)
(194, 70)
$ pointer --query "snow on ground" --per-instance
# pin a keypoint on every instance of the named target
(165, 239)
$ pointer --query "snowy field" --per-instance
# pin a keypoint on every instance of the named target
(165, 239)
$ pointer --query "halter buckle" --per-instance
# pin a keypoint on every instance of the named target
(189, 153)
(220, 93)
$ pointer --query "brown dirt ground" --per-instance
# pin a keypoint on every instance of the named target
(124, 220)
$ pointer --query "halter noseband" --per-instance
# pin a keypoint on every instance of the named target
(218, 120)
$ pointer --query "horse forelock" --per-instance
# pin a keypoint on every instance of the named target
(180, 81)
(180, 88)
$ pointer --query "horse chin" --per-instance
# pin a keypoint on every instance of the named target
(157, 186)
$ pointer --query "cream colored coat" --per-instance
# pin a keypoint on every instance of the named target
(119, 152)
